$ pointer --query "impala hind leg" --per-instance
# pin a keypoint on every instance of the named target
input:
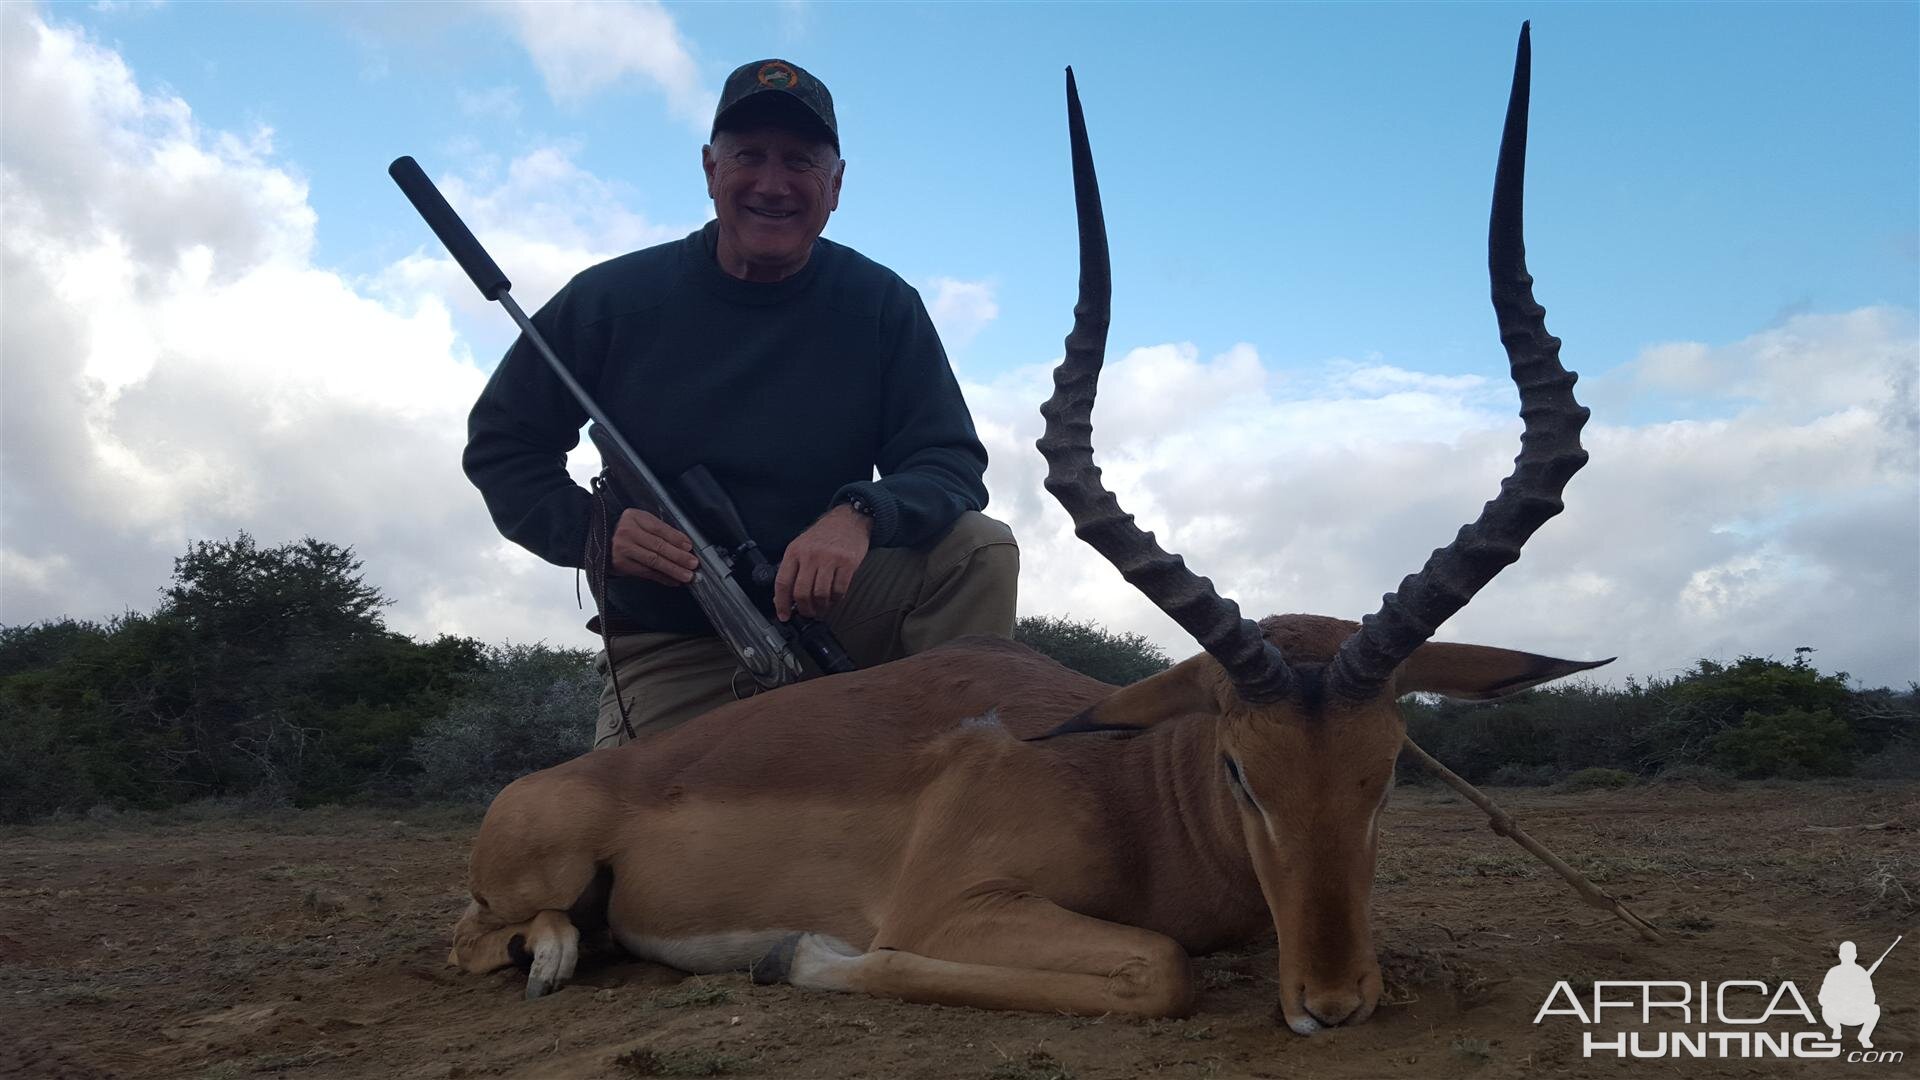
(1002, 951)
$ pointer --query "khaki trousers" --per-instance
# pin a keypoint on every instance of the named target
(902, 601)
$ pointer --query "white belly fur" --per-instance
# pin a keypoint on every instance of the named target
(703, 954)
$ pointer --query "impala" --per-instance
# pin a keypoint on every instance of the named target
(977, 825)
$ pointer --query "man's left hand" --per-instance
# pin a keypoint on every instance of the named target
(818, 566)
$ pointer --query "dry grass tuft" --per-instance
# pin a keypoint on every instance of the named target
(1033, 1065)
(1407, 971)
(645, 1062)
(692, 992)
(1475, 1051)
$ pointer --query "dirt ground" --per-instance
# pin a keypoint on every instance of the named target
(311, 944)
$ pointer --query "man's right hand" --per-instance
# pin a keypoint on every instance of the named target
(652, 550)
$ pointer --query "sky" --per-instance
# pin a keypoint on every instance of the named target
(217, 313)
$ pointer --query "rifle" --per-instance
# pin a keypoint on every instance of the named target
(768, 651)
(1883, 956)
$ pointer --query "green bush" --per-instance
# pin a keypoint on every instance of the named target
(1790, 743)
(1697, 776)
(1754, 717)
(1596, 779)
(266, 675)
(1521, 776)
(530, 708)
(265, 672)
(1886, 733)
(1091, 649)
(1536, 737)
(1898, 760)
(1689, 715)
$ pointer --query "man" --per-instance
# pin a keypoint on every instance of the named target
(791, 367)
(1846, 996)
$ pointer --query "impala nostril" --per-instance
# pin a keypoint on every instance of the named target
(1334, 1010)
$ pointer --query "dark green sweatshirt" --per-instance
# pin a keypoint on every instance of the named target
(790, 393)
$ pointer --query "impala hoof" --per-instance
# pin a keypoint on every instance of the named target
(556, 949)
(777, 965)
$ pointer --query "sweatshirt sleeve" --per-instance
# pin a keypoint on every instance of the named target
(520, 431)
(932, 465)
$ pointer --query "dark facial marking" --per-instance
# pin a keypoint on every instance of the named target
(1237, 781)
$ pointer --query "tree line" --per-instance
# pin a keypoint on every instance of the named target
(268, 674)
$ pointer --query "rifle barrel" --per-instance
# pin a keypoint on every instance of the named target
(473, 258)
(676, 517)
(1883, 956)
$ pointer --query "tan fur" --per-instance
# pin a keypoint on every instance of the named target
(959, 863)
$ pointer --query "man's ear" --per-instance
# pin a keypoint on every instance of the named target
(833, 192)
(1480, 673)
(707, 163)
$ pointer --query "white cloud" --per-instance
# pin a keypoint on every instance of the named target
(583, 48)
(796, 20)
(1378, 378)
(1794, 520)
(178, 369)
(542, 218)
(961, 309)
(1785, 372)
(495, 103)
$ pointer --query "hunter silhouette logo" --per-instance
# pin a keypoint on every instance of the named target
(1846, 996)
(778, 76)
(1734, 1018)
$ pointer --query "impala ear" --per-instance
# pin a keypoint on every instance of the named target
(1186, 687)
(1480, 673)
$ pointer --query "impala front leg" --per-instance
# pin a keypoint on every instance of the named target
(1001, 950)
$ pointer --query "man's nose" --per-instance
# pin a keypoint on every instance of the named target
(771, 179)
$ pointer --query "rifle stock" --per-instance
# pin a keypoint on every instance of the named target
(710, 512)
(761, 647)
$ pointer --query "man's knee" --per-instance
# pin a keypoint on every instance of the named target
(978, 547)
(658, 681)
(974, 529)
(971, 584)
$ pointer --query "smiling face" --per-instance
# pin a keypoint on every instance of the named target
(773, 188)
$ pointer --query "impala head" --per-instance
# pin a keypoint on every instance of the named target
(1308, 721)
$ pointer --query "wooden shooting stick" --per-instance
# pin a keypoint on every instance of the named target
(1503, 823)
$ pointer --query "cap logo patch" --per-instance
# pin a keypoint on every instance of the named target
(778, 76)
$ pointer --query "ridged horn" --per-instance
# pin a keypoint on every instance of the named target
(1550, 450)
(1259, 673)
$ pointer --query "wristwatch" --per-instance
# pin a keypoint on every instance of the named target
(860, 505)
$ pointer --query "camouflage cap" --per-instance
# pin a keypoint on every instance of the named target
(775, 87)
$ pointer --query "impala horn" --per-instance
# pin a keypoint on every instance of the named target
(1550, 450)
(1259, 673)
